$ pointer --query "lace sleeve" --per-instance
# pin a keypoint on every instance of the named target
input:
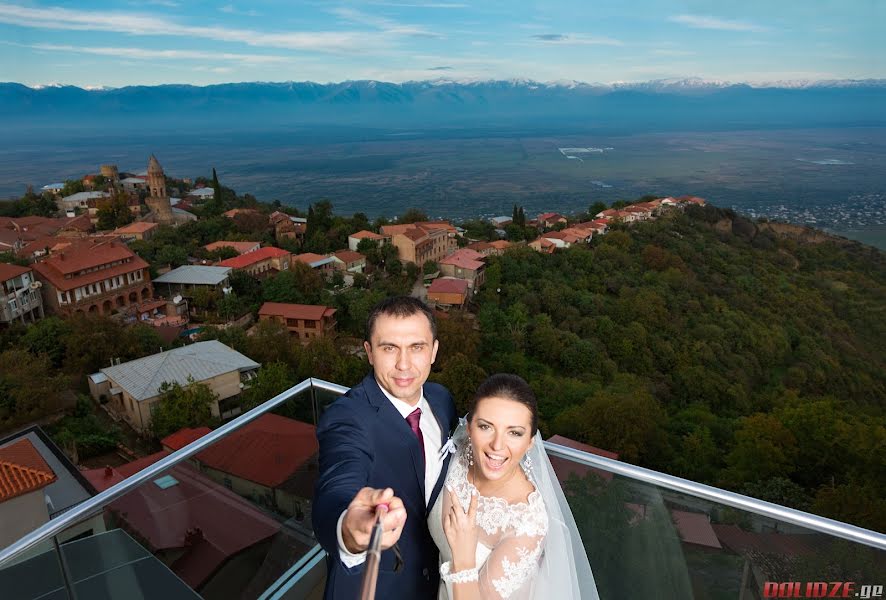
(510, 567)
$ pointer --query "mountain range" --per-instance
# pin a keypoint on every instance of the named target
(664, 104)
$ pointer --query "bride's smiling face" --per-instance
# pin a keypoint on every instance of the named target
(501, 433)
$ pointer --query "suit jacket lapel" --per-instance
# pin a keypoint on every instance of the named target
(441, 413)
(398, 426)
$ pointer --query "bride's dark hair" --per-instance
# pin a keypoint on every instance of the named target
(511, 387)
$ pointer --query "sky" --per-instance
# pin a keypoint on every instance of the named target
(91, 43)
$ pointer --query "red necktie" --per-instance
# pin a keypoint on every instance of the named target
(413, 419)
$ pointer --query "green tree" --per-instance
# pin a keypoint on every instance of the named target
(180, 406)
(461, 376)
(28, 389)
(413, 215)
(47, 336)
(272, 379)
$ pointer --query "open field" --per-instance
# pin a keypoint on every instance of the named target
(828, 178)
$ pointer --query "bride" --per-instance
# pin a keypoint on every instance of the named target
(502, 524)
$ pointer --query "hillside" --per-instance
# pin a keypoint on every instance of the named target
(706, 346)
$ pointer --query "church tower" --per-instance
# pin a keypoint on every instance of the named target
(158, 201)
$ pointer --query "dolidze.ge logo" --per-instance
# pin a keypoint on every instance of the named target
(820, 589)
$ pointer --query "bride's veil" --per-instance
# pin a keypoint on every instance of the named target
(564, 572)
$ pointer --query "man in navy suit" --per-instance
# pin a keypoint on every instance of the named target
(381, 443)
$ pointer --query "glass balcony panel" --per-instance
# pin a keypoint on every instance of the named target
(646, 541)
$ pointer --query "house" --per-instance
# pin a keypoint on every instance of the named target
(20, 299)
(448, 291)
(355, 238)
(544, 245)
(185, 280)
(465, 264)
(82, 200)
(499, 246)
(272, 461)
(288, 227)
(550, 220)
(202, 194)
(303, 321)
(53, 188)
(240, 247)
(240, 211)
(260, 263)
(132, 185)
(133, 388)
(421, 242)
(37, 484)
(565, 468)
(208, 535)
(324, 264)
(95, 275)
(686, 200)
(136, 231)
(501, 222)
(484, 249)
(347, 260)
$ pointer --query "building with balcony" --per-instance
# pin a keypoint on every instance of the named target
(303, 321)
(133, 388)
(21, 299)
(420, 242)
(324, 264)
(185, 280)
(95, 275)
(260, 263)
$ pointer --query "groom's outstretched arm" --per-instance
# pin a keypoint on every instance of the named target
(345, 461)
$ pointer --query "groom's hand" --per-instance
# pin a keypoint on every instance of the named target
(360, 518)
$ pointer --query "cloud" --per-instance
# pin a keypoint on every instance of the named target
(708, 22)
(575, 39)
(233, 10)
(422, 4)
(57, 18)
(388, 26)
(149, 53)
(166, 3)
(443, 68)
(672, 52)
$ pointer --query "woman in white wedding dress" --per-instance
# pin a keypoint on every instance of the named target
(501, 523)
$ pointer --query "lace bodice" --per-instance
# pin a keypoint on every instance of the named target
(511, 537)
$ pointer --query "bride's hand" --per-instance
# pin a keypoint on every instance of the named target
(461, 532)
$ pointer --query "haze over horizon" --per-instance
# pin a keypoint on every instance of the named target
(97, 43)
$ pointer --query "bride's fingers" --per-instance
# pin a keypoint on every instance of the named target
(472, 508)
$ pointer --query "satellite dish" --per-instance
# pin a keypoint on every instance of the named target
(177, 298)
(36, 285)
(227, 290)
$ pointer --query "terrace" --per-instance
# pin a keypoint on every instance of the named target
(647, 534)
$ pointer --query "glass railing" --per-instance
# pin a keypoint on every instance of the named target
(229, 516)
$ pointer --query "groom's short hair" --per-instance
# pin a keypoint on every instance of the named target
(401, 307)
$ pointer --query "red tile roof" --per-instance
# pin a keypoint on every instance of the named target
(564, 467)
(348, 256)
(267, 451)
(369, 235)
(183, 437)
(479, 246)
(695, 528)
(8, 271)
(208, 523)
(250, 258)
(310, 312)
(83, 256)
(462, 262)
(308, 257)
(22, 470)
(241, 247)
(500, 244)
(139, 227)
(448, 285)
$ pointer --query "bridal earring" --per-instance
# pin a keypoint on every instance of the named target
(470, 453)
(527, 463)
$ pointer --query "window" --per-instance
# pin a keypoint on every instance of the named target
(13, 305)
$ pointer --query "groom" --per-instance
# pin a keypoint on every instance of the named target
(381, 443)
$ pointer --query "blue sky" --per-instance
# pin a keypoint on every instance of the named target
(94, 43)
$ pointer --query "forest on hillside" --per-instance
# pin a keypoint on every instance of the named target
(704, 346)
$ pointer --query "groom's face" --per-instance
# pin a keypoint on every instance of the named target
(401, 352)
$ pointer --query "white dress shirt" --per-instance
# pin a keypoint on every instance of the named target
(433, 441)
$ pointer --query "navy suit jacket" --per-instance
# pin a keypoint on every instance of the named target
(365, 441)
